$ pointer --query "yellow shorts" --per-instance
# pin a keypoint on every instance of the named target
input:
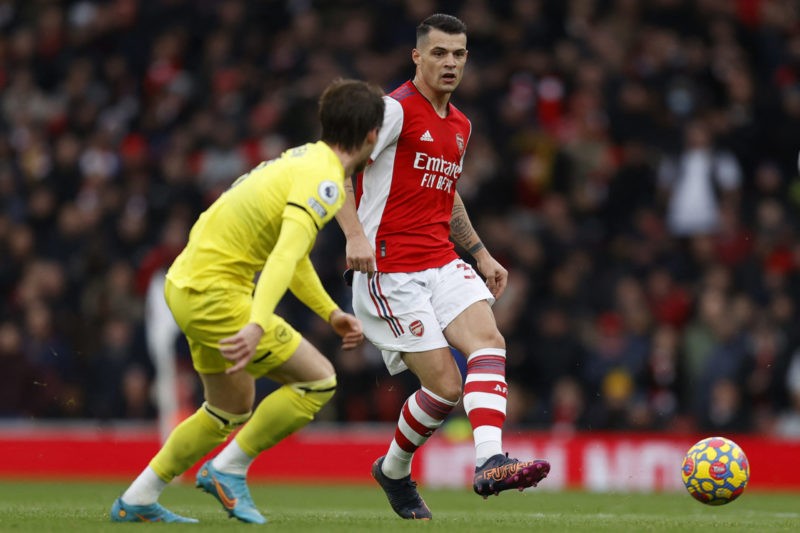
(206, 317)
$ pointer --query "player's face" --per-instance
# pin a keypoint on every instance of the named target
(440, 59)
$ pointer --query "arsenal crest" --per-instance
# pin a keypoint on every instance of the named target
(460, 143)
(416, 328)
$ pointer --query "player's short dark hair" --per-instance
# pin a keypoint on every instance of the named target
(349, 110)
(446, 23)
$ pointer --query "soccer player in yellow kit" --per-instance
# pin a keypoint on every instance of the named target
(263, 227)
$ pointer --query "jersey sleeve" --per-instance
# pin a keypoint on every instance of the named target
(315, 200)
(308, 288)
(294, 243)
(392, 126)
(469, 137)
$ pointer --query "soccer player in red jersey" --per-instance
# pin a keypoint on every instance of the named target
(412, 292)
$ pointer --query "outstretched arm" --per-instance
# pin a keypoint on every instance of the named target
(359, 252)
(308, 288)
(464, 235)
(287, 267)
(293, 243)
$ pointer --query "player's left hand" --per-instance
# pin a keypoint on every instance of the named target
(348, 327)
(496, 276)
(241, 348)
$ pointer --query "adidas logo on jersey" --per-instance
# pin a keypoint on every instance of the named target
(427, 137)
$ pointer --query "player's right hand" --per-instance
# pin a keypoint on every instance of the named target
(241, 348)
(496, 275)
(360, 255)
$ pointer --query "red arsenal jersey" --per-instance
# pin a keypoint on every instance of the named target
(405, 195)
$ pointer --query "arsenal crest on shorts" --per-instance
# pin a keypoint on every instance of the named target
(416, 328)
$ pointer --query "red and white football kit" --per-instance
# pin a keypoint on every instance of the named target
(405, 201)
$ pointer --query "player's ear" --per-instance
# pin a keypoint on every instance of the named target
(372, 136)
(416, 56)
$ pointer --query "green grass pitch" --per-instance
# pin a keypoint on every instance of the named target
(83, 507)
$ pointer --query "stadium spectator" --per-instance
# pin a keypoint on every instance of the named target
(788, 422)
(691, 180)
(118, 378)
(20, 378)
(109, 109)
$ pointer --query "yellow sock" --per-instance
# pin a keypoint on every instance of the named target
(283, 412)
(193, 438)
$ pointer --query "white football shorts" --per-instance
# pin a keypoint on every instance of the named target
(407, 312)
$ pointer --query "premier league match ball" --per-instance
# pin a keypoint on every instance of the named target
(715, 471)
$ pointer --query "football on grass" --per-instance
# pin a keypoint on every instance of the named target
(715, 471)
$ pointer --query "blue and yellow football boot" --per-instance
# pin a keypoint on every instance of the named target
(231, 491)
(123, 512)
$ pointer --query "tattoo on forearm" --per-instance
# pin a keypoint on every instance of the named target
(475, 248)
(462, 232)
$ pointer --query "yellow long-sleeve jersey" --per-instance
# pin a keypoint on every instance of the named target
(267, 222)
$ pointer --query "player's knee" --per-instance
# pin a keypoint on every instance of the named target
(315, 394)
(448, 389)
(495, 339)
(482, 339)
(225, 421)
(457, 392)
(452, 395)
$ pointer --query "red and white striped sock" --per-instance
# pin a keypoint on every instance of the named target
(485, 395)
(421, 415)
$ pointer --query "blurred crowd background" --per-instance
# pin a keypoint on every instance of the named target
(633, 164)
